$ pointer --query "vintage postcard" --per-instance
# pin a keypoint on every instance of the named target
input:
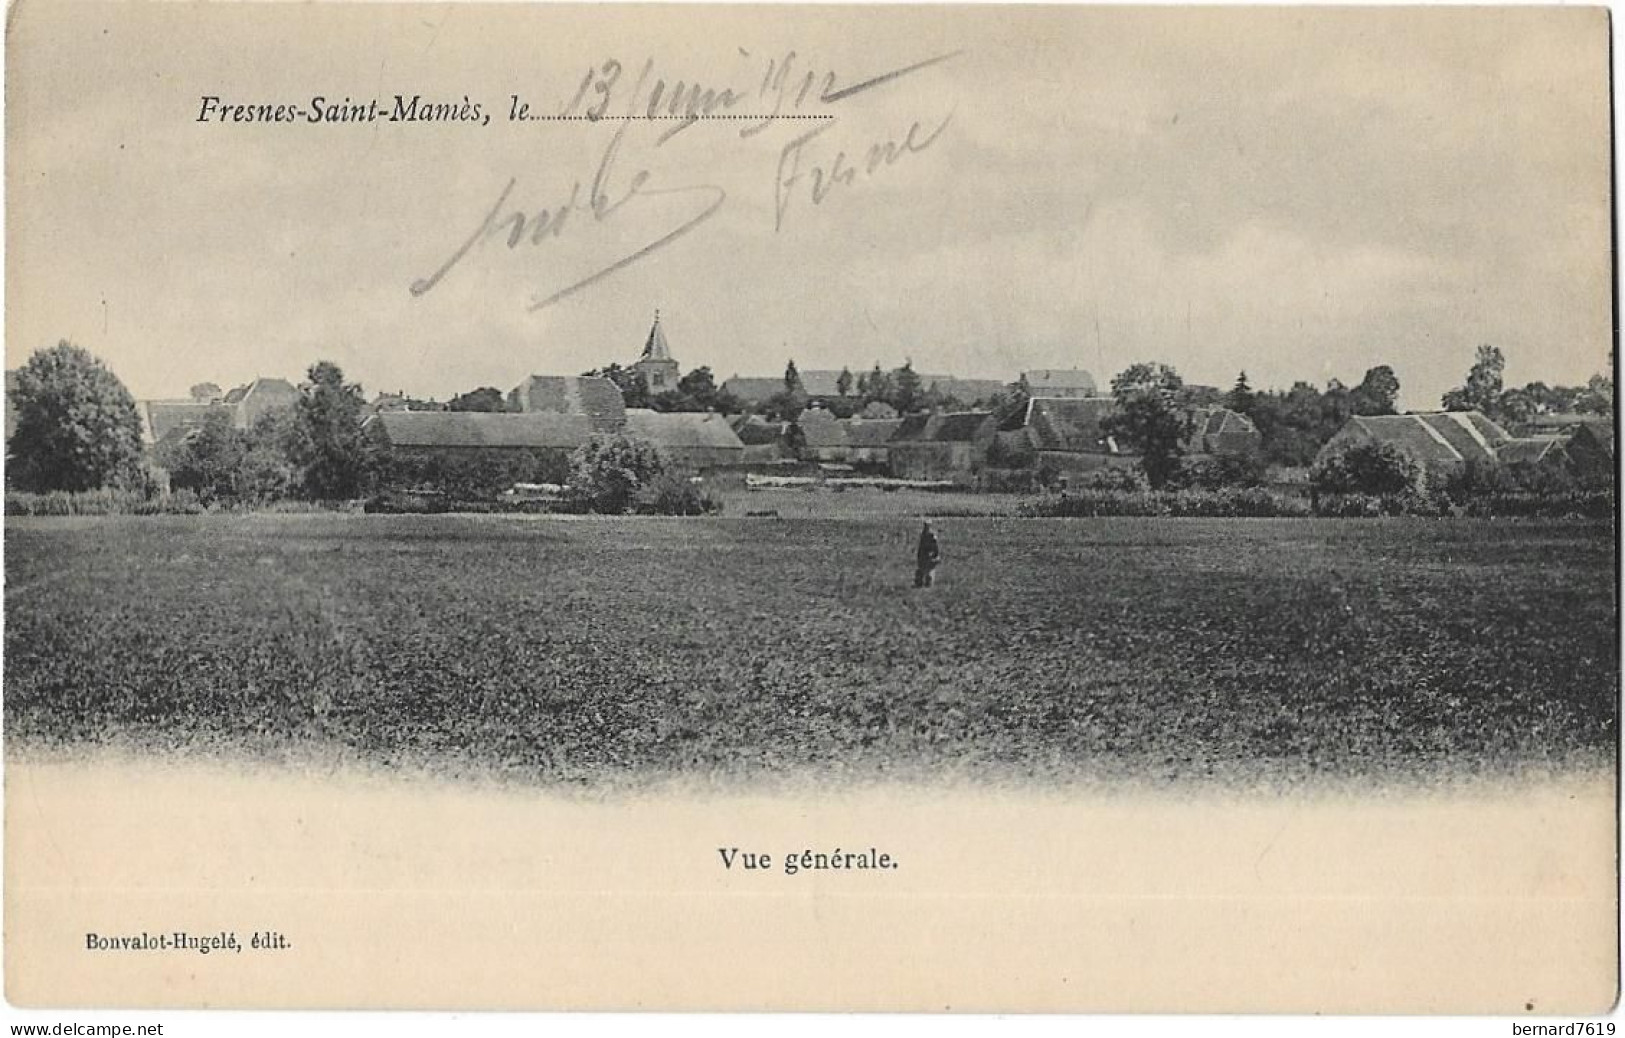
(928, 508)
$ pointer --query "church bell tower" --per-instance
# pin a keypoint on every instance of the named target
(657, 367)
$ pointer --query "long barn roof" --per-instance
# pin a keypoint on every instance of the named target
(480, 429)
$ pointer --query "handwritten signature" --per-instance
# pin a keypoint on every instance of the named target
(609, 196)
(601, 205)
(841, 171)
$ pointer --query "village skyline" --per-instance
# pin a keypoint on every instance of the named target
(1405, 399)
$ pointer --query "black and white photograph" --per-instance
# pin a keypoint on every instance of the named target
(931, 509)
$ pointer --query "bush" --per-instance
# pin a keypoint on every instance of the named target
(472, 476)
(1218, 471)
(607, 474)
(408, 502)
(1367, 468)
(1252, 502)
(1350, 506)
(1010, 481)
(107, 501)
(263, 476)
(1113, 478)
(1576, 504)
(1486, 504)
(673, 494)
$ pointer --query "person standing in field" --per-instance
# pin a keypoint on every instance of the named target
(926, 556)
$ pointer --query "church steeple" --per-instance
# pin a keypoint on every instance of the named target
(655, 348)
(658, 368)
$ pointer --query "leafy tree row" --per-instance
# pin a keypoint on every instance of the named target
(1484, 390)
(695, 391)
(78, 429)
(901, 389)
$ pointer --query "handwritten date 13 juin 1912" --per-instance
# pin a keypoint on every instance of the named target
(814, 164)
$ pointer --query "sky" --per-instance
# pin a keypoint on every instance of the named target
(1300, 193)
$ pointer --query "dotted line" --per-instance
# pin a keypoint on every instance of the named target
(655, 118)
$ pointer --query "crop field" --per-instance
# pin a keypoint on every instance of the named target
(866, 503)
(603, 651)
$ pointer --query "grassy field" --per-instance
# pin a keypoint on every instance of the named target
(600, 650)
(866, 503)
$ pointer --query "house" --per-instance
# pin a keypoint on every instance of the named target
(949, 446)
(1434, 440)
(764, 441)
(1589, 450)
(687, 440)
(823, 436)
(1065, 434)
(752, 391)
(868, 440)
(389, 402)
(473, 455)
(1219, 430)
(1070, 424)
(656, 366)
(822, 384)
(1058, 382)
(260, 397)
(591, 396)
(965, 390)
(167, 421)
(409, 433)
(1069, 434)
(819, 385)
(1535, 450)
(164, 422)
(400, 401)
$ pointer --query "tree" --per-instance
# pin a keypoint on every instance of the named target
(77, 426)
(264, 474)
(634, 390)
(1336, 406)
(1295, 424)
(608, 472)
(1377, 393)
(700, 387)
(205, 392)
(877, 385)
(908, 393)
(1240, 398)
(783, 407)
(281, 431)
(1598, 396)
(1201, 396)
(1483, 389)
(843, 381)
(1516, 406)
(209, 458)
(787, 404)
(334, 457)
(792, 380)
(485, 399)
(1148, 418)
